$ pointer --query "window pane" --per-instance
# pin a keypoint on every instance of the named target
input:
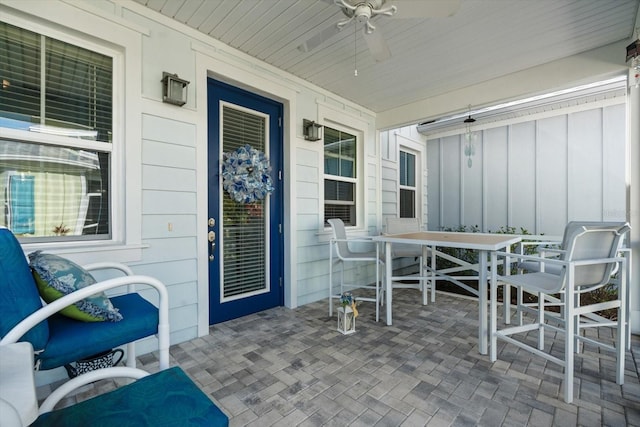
(347, 213)
(20, 73)
(78, 89)
(407, 169)
(340, 162)
(339, 153)
(339, 190)
(407, 204)
(245, 225)
(77, 98)
(52, 191)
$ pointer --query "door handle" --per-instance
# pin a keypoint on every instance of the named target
(211, 236)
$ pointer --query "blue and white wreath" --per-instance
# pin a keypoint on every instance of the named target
(245, 175)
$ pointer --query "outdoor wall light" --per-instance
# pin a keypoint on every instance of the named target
(311, 130)
(174, 89)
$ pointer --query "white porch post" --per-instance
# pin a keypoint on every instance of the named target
(633, 192)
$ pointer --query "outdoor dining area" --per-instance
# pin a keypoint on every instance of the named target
(590, 256)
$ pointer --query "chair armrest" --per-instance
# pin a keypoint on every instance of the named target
(364, 239)
(558, 261)
(541, 245)
(109, 266)
(10, 415)
(81, 380)
(515, 257)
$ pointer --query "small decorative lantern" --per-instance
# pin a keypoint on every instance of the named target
(346, 320)
(347, 314)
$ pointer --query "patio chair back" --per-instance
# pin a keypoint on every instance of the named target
(592, 242)
(396, 225)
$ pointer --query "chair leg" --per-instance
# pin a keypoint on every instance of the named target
(330, 282)
(519, 302)
(620, 345)
(131, 355)
(378, 283)
(540, 321)
(569, 348)
(621, 337)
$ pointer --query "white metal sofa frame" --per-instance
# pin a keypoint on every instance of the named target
(130, 280)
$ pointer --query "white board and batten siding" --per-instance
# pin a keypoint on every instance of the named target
(536, 174)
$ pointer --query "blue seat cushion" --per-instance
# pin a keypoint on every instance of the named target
(71, 340)
(166, 398)
(18, 292)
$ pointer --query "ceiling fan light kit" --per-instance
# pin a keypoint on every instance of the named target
(365, 11)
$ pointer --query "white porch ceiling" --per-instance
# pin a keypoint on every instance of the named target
(484, 40)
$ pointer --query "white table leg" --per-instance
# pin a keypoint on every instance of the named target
(506, 299)
(493, 311)
(388, 265)
(483, 330)
(424, 281)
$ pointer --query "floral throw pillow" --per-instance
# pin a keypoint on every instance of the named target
(56, 277)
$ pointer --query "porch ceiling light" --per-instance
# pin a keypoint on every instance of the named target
(174, 89)
(469, 149)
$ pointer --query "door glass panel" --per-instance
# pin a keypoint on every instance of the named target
(245, 232)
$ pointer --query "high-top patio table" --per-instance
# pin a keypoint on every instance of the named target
(484, 243)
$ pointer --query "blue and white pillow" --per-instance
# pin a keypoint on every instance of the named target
(56, 277)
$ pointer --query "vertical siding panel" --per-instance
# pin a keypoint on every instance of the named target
(522, 172)
(585, 165)
(614, 166)
(434, 175)
(496, 164)
(450, 182)
(552, 176)
(472, 182)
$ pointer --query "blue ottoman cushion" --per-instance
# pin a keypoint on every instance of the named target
(167, 398)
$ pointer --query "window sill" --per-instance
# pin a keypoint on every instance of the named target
(91, 252)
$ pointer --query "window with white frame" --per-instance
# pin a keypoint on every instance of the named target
(340, 154)
(407, 185)
(56, 122)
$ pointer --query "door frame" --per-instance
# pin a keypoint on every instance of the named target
(245, 99)
(245, 77)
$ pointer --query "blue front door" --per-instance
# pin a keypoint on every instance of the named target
(245, 202)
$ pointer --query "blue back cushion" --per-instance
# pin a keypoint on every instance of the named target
(18, 292)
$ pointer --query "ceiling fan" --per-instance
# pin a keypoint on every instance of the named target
(364, 11)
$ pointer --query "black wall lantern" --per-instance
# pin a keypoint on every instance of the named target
(311, 130)
(174, 89)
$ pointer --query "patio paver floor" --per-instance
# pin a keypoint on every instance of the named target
(286, 367)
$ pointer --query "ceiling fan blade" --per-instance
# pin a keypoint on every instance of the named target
(424, 8)
(318, 39)
(377, 45)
